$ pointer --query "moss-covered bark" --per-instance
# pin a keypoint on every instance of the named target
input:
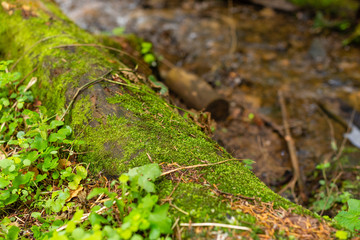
(122, 125)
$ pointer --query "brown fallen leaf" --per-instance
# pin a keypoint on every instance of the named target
(64, 163)
(75, 193)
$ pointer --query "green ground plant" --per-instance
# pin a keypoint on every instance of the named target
(39, 177)
(334, 195)
(329, 194)
(350, 219)
(147, 53)
(338, 15)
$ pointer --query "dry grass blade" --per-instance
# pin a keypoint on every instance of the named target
(197, 166)
(215, 225)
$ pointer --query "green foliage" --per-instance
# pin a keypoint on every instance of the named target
(37, 143)
(350, 219)
(355, 36)
(12, 98)
(331, 194)
(248, 163)
(321, 21)
(163, 88)
(148, 55)
(334, 14)
(141, 217)
(118, 31)
(341, 234)
(8, 231)
(33, 176)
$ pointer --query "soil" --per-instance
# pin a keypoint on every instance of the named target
(248, 54)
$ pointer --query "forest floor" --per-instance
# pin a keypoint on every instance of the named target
(248, 54)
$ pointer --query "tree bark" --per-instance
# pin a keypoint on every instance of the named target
(124, 124)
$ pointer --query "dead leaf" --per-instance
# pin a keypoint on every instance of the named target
(27, 11)
(75, 193)
(64, 163)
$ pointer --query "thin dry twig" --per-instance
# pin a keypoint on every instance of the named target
(168, 198)
(329, 192)
(208, 224)
(332, 132)
(198, 165)
(292, 151)
(179, 209)
(236, 196)
(82, 88)
(175, 223)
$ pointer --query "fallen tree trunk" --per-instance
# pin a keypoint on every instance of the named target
(123, 122)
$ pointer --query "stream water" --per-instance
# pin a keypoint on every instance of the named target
(248, 54)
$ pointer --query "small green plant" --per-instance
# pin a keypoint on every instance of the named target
(248, 163)
(350, 219)
(163, 89)
(321, 21)
(148, 55)
(118, 31)
(339, 15)
(329, 194)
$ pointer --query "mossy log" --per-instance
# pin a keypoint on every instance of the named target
(124, 125)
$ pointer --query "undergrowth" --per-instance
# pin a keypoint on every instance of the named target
(339, 15)
(336, 195)
(40, 180)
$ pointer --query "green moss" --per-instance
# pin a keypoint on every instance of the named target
(43, 34)
(135, 125)
(194, 202)
(82, 106)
